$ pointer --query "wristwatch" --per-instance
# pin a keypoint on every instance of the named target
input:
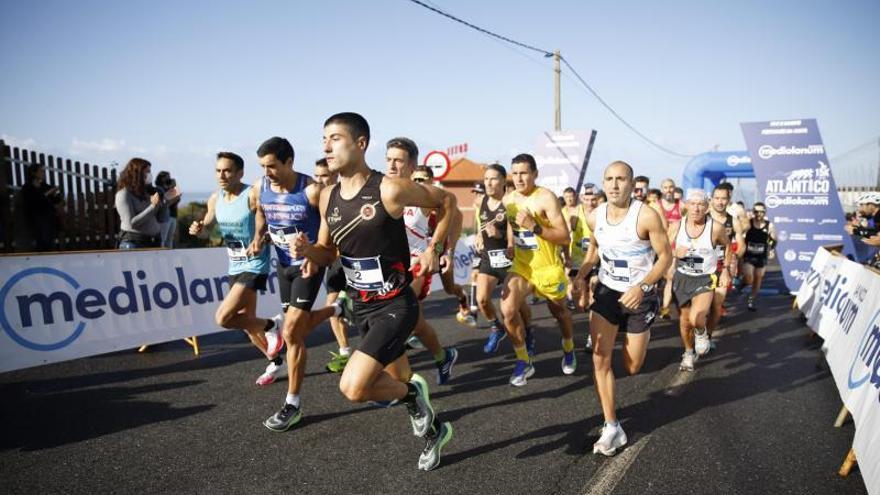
(537, 229)
(646, 288)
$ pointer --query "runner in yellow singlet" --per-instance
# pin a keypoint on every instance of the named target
(539, 231)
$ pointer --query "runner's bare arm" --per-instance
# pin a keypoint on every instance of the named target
(323, 252)
(256, 244)
(591, 258)
(740, 238)
(199, 226)
(649, 224)
(313, 193)
(656, 208)
(548, 205)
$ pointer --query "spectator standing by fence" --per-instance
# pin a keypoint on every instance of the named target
(138, 205)
(42, 207)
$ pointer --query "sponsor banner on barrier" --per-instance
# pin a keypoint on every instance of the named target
(560, 156)
(59, 307)
(795, 182)
(843, 293)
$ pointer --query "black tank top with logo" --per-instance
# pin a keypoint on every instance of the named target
(372, 245)
(498, 218)
(757, 239)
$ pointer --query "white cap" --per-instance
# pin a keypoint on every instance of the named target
(869, 198)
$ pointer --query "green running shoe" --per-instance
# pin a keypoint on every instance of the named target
(337, 362)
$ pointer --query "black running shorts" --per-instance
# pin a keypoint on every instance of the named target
(335, 277)
(605, 302)
(385, 325)
(686, 287)
(297, 291)
(755, 261)
(486, 268)
(251, 280)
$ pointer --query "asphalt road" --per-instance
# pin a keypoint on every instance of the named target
(755, 417)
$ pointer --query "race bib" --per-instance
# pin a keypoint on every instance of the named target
(282, 236)
(691, 264)
(617, 270)
(525, 239)
(755, 248)
(236, 251)
(363, 273)
(498, 258)
(585, 244)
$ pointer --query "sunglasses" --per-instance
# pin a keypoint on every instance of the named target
(759, 211)
(420, 179)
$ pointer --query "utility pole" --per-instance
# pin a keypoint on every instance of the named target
(557, 71)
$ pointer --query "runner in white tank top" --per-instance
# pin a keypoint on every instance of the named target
(694, 282)
(624, 258)
(626, 236)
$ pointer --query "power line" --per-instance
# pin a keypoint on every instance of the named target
(548, 54)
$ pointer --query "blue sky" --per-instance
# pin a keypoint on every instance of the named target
(174, 82)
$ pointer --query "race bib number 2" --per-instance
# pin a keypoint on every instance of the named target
(363, 273)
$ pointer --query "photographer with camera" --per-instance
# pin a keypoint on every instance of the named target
(43, 208)
(167, 188)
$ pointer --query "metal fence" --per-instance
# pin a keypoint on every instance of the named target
(86, 219)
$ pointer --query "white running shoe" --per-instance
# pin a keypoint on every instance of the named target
(272, 374)
(687, 361)
(274, 340)
(466, 319)
(612, 438)
(701, 342)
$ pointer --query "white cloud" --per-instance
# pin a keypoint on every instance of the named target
(104, 145)
(16, 142)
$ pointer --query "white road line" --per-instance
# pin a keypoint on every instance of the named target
(606, 478)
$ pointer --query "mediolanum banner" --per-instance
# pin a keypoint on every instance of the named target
(795, 181)
(59, 307)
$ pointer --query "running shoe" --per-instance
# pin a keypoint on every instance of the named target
(284, 419)
(687, 361)
(466, 319)
(430, 457)
(337, 362)
(530, 341)
(701, 342)
(421, 414)
(274, 340)
(444, 369)
(611, 439)
(413, 342)
(750, 303)
(589, 345)
(272, 374)
(346, 306)
(522, 371)
(571, 305)
(569, 363)
(494, 340)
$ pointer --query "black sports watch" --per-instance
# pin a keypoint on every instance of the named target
(537, 229)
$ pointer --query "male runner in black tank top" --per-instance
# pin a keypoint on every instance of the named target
(361, 216)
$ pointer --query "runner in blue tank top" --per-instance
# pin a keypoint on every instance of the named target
(287, 207)
(233, 207)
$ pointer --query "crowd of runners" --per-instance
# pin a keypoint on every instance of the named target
(624, 255)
